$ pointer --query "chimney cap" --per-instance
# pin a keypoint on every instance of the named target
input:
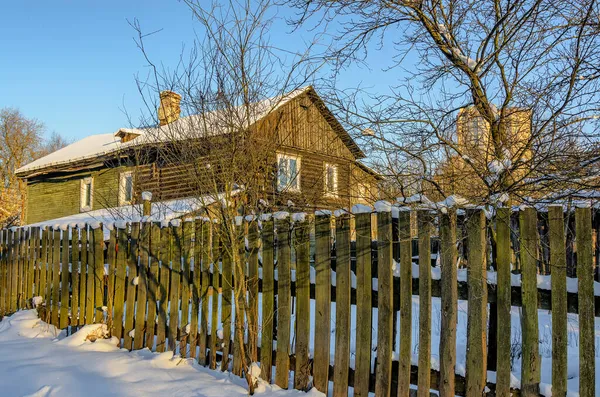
(169, 93)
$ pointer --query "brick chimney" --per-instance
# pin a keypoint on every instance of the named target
(169, 109)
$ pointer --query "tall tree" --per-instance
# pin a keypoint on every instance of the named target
(502, 98)
(21, 141)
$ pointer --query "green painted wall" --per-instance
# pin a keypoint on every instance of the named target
(55, 197)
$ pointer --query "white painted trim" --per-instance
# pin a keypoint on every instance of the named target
(122, 187)
(85, 181)
(298, 172)
(335, 192)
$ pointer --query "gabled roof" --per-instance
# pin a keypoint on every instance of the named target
(203, 125)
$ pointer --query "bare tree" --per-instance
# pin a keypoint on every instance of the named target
(21, 141)
(501, 100)
(231, 86)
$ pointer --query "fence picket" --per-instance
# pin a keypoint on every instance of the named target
(163, 294)
(239, 294)
(585, 274)
(405, 226)
(111, 260)
(216, 272)
(302, 249)
(195, 288)
(44, 284)
(3, 268)
(503, 257)
(30, 260)
(282, 363)
(82, 276)
(64, 281)
(89, 293)
(530, 372)
(142, 288)
(385, 312)
(21, 272)
(363, 305)
(449, 257)
(477, 309)
(55, 275)
(424, 378)
(558, 270)
(98, 255)
(153, 284)
(75, 277)
(175, 291)
(186, 258)
(14, 269)
(120, 279)
(204, 266)
(268, 298)
(253, 247)
(226, 291)
(322, 301)
(132, 262)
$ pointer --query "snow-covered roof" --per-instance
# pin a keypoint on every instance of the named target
(160, 211)
(194, 126)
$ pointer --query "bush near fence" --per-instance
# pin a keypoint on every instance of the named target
(166, 273)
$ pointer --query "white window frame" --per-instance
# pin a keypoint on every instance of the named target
(123, 186)
(334, 192)
(289, 187)
(84, 182)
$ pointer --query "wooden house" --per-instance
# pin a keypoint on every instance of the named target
(289, 151)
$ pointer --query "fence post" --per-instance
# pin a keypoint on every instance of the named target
(342, 306)
(385, 316)
(585, 275)
(268, 298)
(477, 310)
(530, 367)
(449, 298)
(362, 372)
(503, 258)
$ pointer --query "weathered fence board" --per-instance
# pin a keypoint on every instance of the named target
(150, 285)
(503, 301)
(585, 274)
(268, 300)
(284, 303)
(449, 257)
(363, 306)
(477, 310)
(342, 305)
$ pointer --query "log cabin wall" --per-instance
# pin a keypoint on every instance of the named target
(302, 127)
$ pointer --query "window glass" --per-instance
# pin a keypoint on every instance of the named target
(288, 172)
(330, 179)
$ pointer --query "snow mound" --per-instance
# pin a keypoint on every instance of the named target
(93, 337)
(25, 323)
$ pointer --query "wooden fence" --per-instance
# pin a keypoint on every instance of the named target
(166, 288)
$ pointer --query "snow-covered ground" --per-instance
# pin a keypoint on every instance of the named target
(36, 361)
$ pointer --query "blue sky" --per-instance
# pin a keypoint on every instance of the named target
(72, 64)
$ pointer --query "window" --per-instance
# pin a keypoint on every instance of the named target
(331, 180)
(126, 188)
(288, 173)
(87, 194)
